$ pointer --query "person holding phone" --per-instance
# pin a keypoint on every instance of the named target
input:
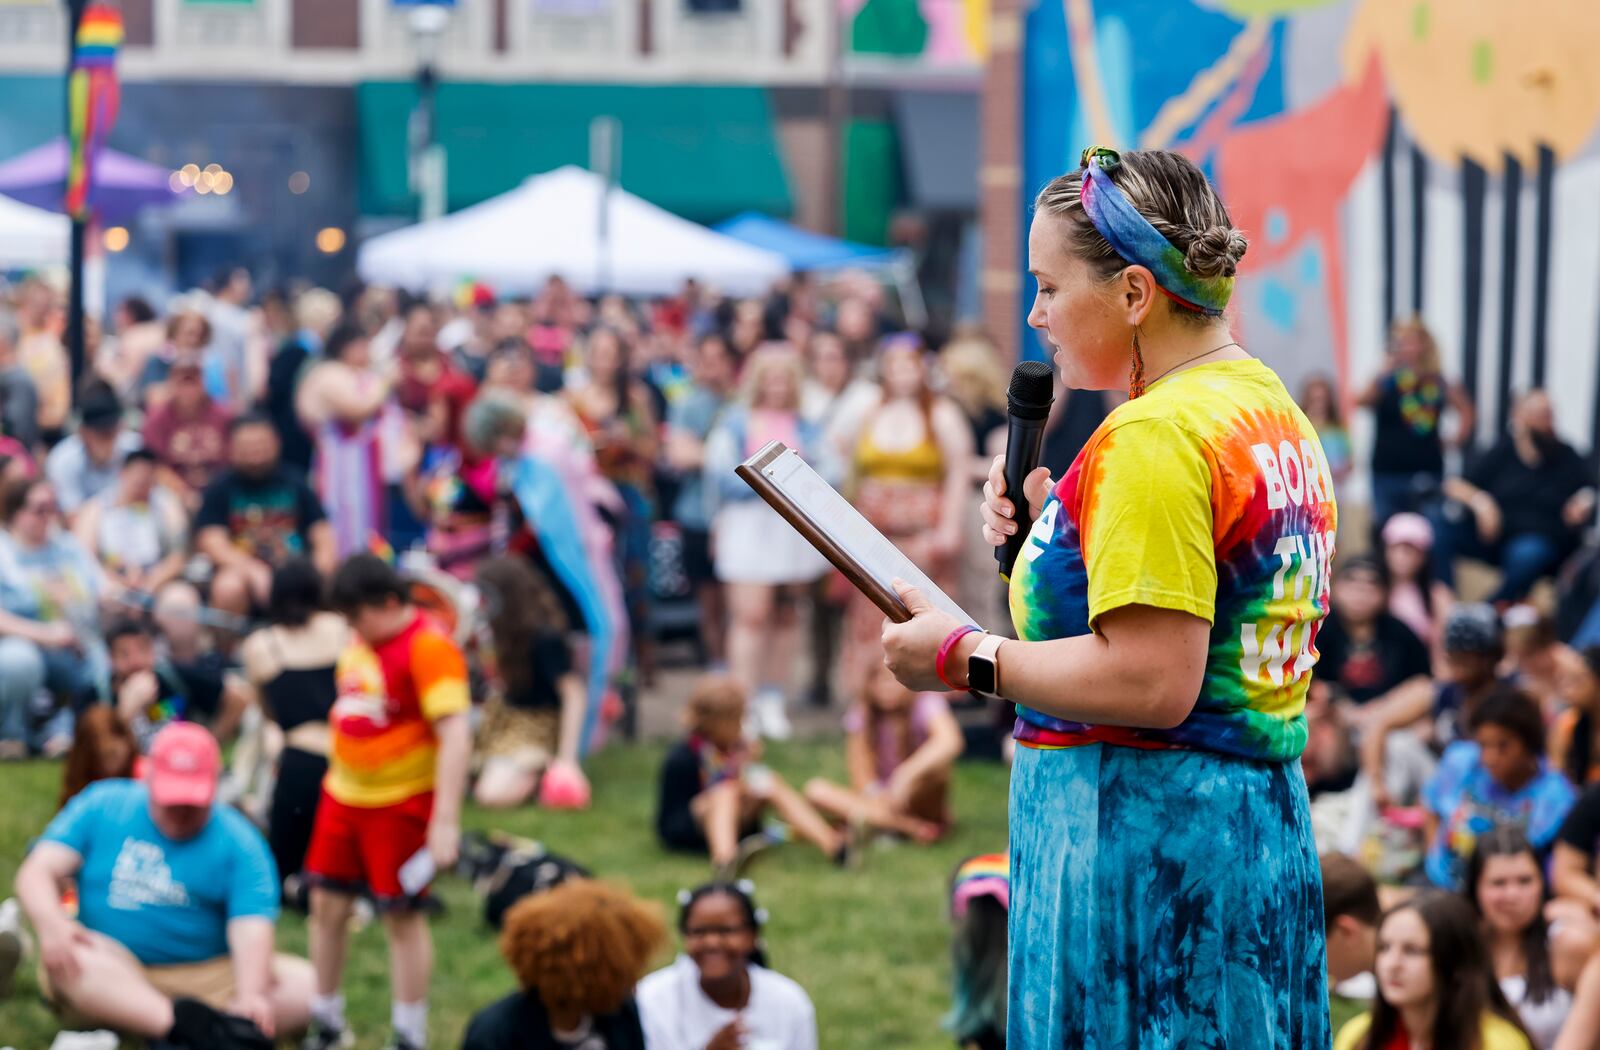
(390, 813)
(1164, 879)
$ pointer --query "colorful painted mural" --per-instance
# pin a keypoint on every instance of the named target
(1386, 157)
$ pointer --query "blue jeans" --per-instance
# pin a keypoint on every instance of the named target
(1522, 558)
(27, 668)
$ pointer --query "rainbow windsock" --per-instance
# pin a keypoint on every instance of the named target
(92, 97)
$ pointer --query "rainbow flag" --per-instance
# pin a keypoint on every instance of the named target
(378, 545)
(553, 481)
(92, 97)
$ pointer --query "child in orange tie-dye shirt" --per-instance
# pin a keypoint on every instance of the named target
(396, 774)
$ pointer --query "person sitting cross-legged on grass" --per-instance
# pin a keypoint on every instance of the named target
(900, 751)
(173, 939)
(577, 951)
(714, 792)
(720, 994)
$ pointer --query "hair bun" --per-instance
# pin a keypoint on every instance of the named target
(1215, 252)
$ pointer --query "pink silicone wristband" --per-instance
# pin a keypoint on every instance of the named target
(949, 644)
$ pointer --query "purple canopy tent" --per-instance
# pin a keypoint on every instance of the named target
(122, 184)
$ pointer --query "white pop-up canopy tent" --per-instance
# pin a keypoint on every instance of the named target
(31, 237)
(550, 226)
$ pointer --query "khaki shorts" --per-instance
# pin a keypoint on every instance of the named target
(210, 981)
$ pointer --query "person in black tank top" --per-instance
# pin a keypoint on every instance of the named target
(1408, 400)
(290, 662)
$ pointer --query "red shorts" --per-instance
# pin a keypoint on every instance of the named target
(358, 846)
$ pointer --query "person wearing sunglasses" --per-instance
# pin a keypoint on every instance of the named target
(49, 590)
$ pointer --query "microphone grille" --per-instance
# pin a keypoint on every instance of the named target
(1032, 389)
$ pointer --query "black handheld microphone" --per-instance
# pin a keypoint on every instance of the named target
(1033, 389)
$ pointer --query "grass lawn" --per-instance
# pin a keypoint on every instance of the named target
(871, 946)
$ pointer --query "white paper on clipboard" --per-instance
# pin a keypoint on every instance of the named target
(833, 514)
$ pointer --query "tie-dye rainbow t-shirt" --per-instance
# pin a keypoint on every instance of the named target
(1209, 495)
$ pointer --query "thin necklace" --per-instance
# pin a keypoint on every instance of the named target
(1190, 361)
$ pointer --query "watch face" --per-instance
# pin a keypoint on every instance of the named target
(980, 675)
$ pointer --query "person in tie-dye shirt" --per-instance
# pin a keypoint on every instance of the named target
(398, 750)
(1165, 884)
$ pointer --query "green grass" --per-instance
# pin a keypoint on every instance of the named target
(870, 946)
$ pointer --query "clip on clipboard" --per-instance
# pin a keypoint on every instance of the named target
(828, 522)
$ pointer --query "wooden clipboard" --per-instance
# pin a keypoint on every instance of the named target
(828, 522)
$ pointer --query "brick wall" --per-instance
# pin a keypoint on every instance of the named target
(138, 22)
(320, 24)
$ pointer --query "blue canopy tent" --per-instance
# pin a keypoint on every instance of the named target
(804, 250)
(808, 251)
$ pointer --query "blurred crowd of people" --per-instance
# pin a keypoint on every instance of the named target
(369, 544)
(323, 529)
(1451, 721)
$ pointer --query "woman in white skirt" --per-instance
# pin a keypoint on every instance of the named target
(765, 565)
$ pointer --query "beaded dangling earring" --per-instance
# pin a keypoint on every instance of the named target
(1136, 373)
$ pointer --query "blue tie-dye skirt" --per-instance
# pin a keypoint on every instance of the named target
(1163, 899)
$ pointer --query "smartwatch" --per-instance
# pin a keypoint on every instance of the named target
(983, 666)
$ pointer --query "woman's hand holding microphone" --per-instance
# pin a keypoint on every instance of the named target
(999, 513)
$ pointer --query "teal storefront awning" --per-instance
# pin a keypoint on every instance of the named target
(703, 152)
(33, 110)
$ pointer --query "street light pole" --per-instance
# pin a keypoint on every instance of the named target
(428, 22)
(74, 333)
(605, 160)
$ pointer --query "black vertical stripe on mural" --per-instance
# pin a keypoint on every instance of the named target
(1545, 181)
(1594, 409)
(1510, 223)
(1386, 174)
(1474, 185)
(1419, 225)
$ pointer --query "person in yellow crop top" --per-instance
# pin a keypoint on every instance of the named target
(908, 456)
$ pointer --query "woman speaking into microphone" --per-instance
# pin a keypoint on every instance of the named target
(1165, 888)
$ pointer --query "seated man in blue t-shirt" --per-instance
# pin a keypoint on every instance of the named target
(176, 904)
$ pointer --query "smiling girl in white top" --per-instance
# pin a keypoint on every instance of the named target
(720, 995)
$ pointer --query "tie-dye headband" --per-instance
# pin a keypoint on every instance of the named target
(1132, 237)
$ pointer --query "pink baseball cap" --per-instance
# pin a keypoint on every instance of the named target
(1408, 528)
(183, 766)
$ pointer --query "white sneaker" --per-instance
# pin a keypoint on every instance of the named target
(771, 718)
(100, 1040)
(12, 944)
